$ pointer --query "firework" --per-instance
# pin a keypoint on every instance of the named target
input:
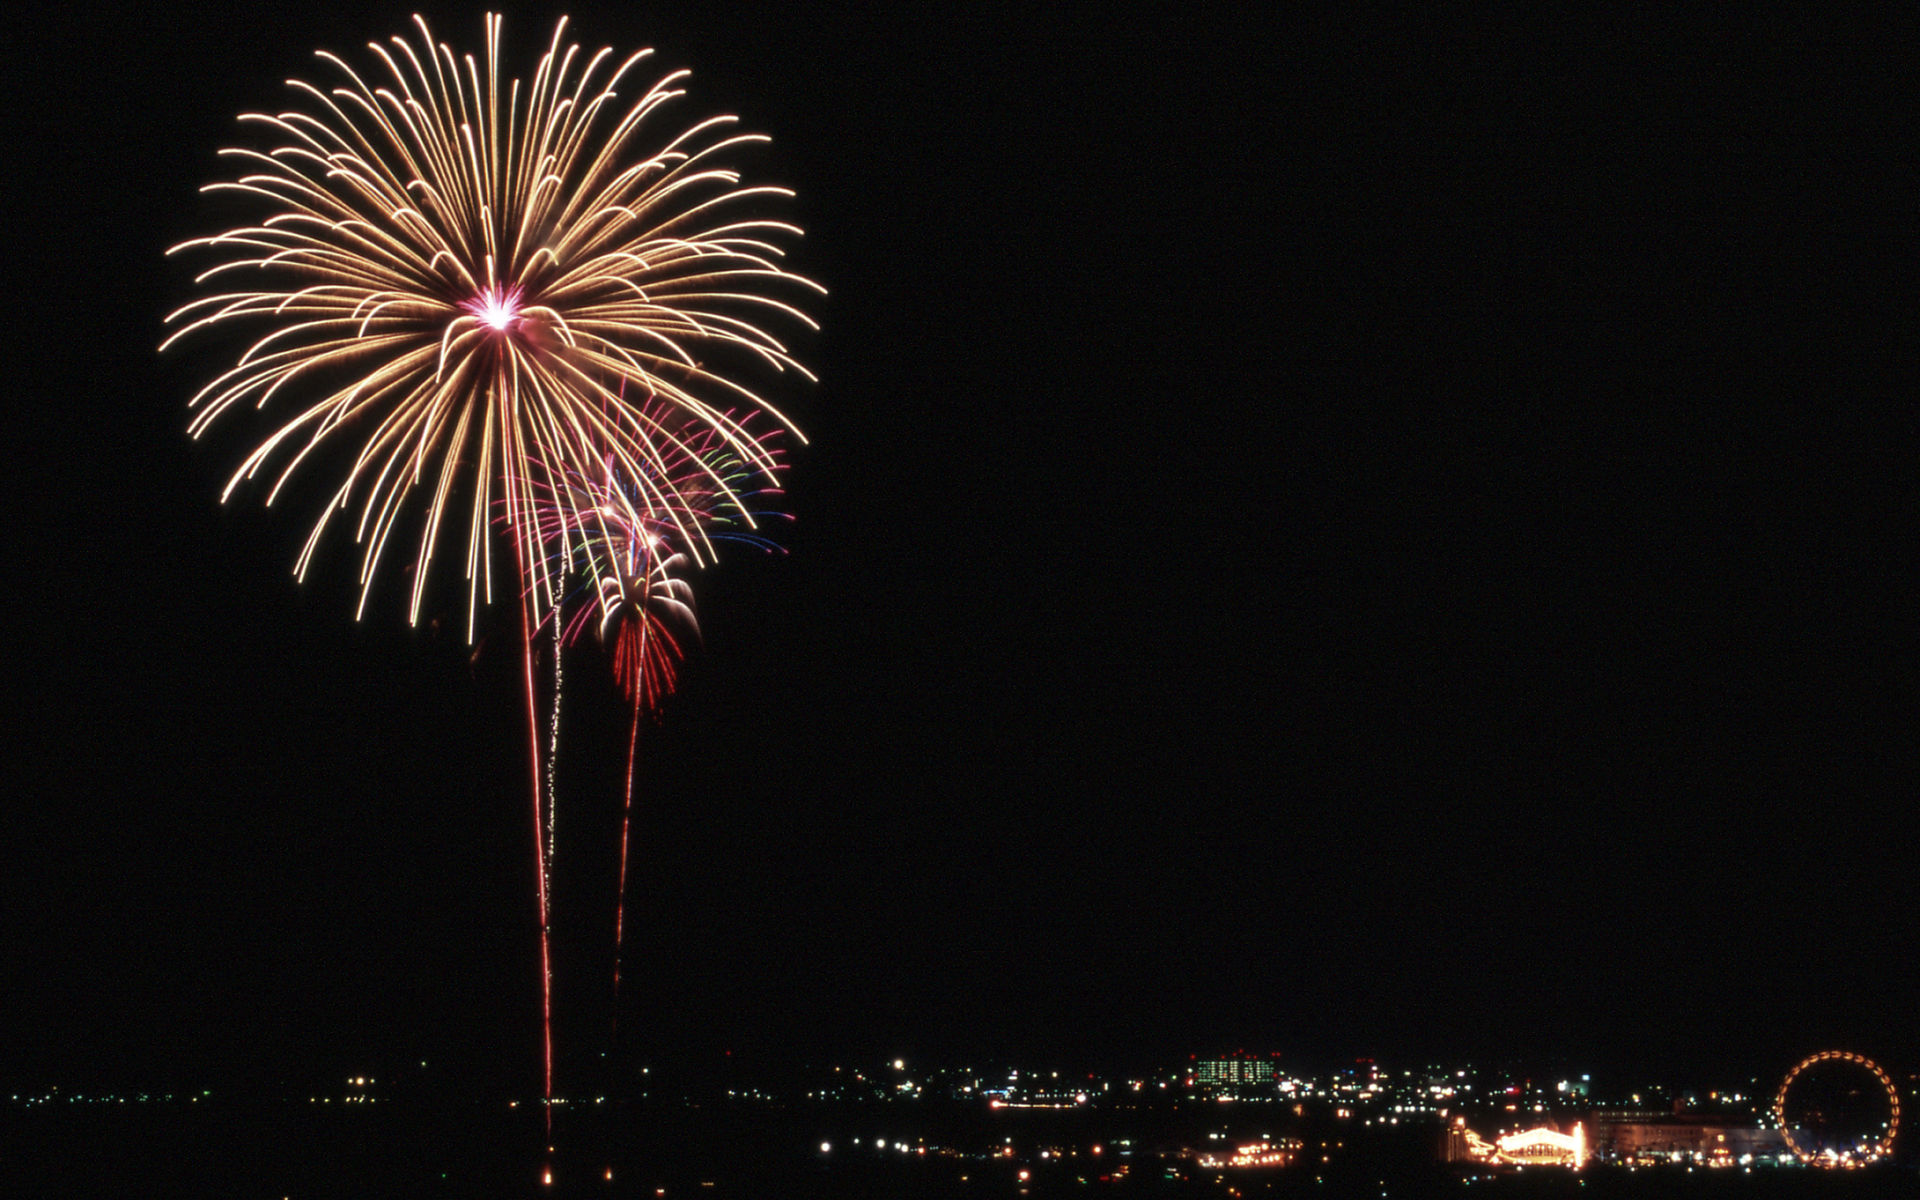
(632, 553)
(457, 282)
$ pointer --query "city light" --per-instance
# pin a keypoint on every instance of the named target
(1520, 1122)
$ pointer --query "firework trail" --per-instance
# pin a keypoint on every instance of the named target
(553, 749)
(453, 282)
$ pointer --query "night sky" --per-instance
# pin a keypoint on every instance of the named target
(1352, 538)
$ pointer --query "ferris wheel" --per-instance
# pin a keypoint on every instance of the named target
(1838, 1109)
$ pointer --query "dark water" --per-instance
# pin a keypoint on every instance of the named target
(727, 1152)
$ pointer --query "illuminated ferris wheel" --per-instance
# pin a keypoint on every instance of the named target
(1838, 1110)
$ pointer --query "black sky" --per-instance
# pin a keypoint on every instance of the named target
(1347, 538)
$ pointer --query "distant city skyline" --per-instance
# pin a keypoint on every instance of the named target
(1237, 1113)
